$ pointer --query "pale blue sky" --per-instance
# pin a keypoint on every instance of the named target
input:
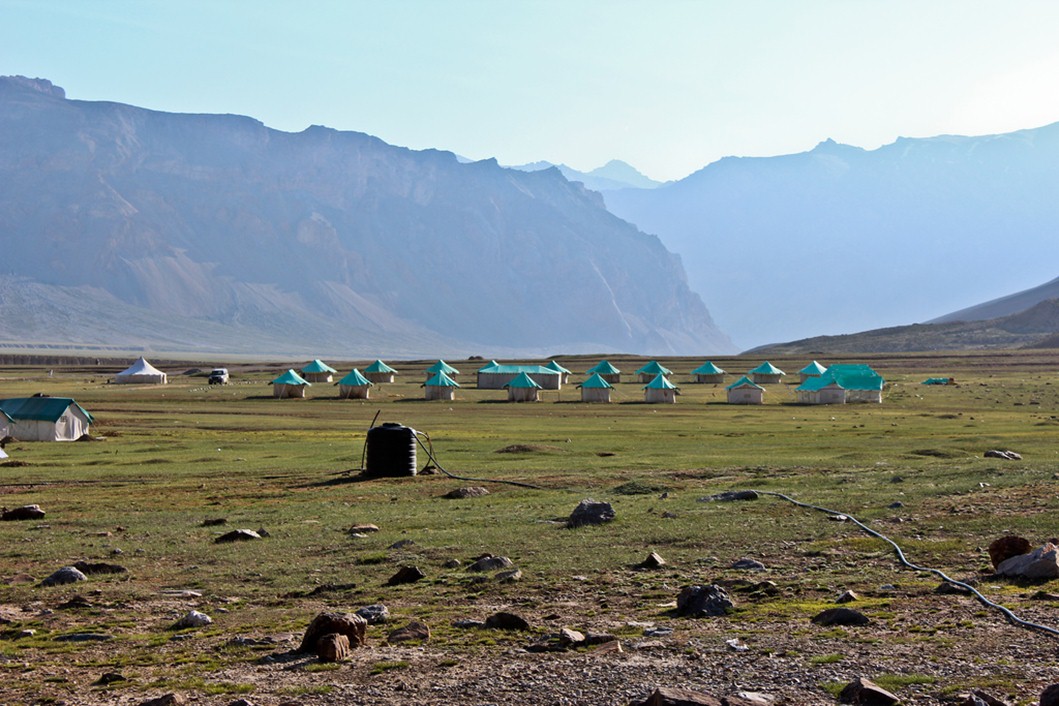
(665, 86)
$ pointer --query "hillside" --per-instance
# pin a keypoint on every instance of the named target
(125, 226)
(1036, 327)
(613, 175)
(841, 239)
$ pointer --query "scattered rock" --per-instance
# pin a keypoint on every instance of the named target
(93, 568)
(262, 532)
(489, 562)
(28, 632)
(402, 544)
(1006, 547)
(470, 492)
(363, 529)
(670, 696)
(569, 637)
(847, 597)
(63, 576)
(238, 535)
(1041, 563)
(590, 512)
(700, 601)
(241, 702)
(1006, 455)
(214, 521)
(840, 616)
(512, 576)
(193, 619)
(506, 621)
(980, 698)
(1044, 596)
(1050, 695)
(468, 623)
(75, 603)
(332, 647)
(26, 512)
(411, 632)
(946, 588)
(730, 495)
(863, 692)
(452, 564)
(895, 505)
(614, 646)
(737, 645)
(109, 678)
(406, 574)
(748, 565)
(653, 561)
(657, 632)
(167, 700)
(348, 624)
(374, 614)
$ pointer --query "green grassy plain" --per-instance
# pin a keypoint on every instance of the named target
(179, 454)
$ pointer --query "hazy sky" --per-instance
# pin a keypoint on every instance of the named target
(665, 86)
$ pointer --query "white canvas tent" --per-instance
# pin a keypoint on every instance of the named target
(46, 418)
(141, 373)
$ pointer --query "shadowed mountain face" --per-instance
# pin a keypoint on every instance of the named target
(840, 239)
(320, 241)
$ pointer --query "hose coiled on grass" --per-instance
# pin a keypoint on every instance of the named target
(1010, 616)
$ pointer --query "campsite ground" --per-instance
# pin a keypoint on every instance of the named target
(177, 455)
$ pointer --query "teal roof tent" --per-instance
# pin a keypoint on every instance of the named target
(841, 384)
(441, 367)
(354, 386)
(496, 376)
(563, 372)
(648, 372)
(745, 391)
(766, 373)
(606, 371)
(289, 384)
(318, 371)
(595, 389)
(440, 387)
(379, 372)
(523, 388)
(708, 373)
(44, 418)
(660, 390)
(814, 369)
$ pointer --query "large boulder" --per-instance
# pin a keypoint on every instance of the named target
(864, 692)
(590, 512)
(26, 512)
(348, 624)
(700, 601)
(1041, 563)
(1007, 547)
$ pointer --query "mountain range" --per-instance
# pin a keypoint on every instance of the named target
(126, 226)
(841, 239)
(612, 176)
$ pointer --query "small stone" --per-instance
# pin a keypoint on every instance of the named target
(895, 505)
(658, 632)
(731, 495)
(512, 576)
(946, 588)
(75, 603)
(26, 512)
(490, 563)
(590, 512)
(215, 521)
(1006, 455)
(506, 621)
(748, 565)
(614, 646)
(1044, 596)
(109, 678)
(863, 692)
(452, 564)
(847, 597)
(363, 529)
(736, 645)
(28, 632)
(468, 623)
(262, 532)
(469, 492)
(63, 576)
(240, 702)
(374, 614)
(406, 574)
(840, 616)
(672, 696)
(568, 637)
(402, 544)
(699, 601)
(193, 619)
(332, 647)
(980, 698)
(166, 700)
(653, 561)
(238, 535)
(838, 518)
(413, 631)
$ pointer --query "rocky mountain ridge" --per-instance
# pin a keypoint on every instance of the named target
(216, 232)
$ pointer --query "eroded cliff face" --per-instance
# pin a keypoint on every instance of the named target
(334, 235)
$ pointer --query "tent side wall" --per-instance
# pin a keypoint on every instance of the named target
(523, 394)
(160, 379)
(746, 395)
(869, 396)
(317, 377)
(71, 426)
(765, 378)
(379, 377)
(595, 394)
(714, 378)
(439, 392)
(283, 391)
(354, 392)
(652, 396)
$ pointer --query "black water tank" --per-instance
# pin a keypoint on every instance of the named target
(391, 450)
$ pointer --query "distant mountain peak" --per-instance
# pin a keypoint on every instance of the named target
(40, 85)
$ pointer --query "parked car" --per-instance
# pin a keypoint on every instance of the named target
(219, 376)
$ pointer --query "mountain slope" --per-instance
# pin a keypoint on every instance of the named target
(320, 241)
(1035, 327)
(841, 239)
(1004, 306)
(613, 175)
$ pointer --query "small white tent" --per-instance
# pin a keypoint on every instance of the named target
(141, 373)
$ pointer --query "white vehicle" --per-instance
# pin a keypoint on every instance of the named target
(219, 376)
